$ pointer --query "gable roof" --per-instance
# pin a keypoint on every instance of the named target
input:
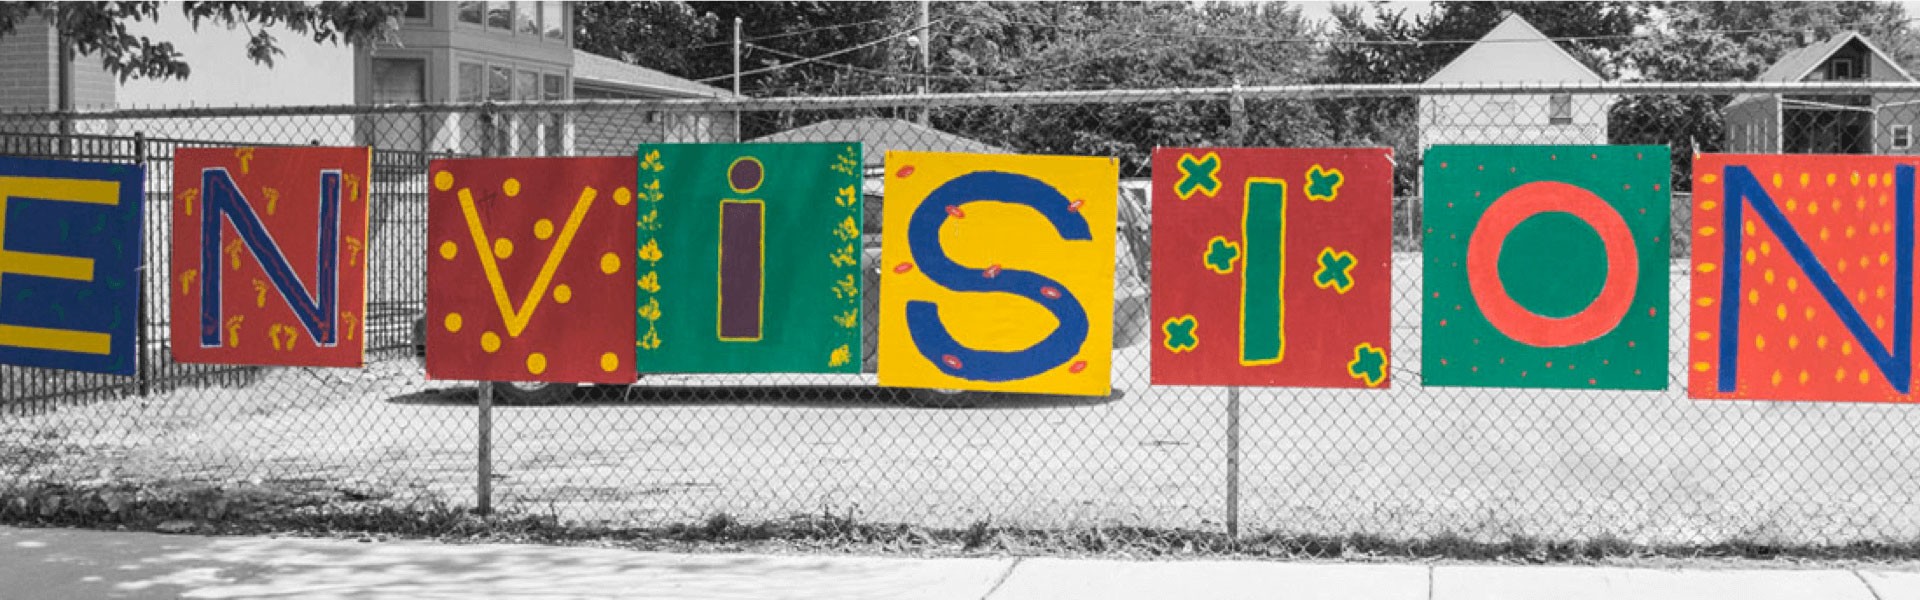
(1798, 64)
(877, 136)
(598, 71)
(1514, 52)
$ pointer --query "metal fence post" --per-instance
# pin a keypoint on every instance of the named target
(143, 376)
(1233, 466)
(483, 489)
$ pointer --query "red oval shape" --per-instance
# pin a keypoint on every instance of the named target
(956, 212)
(903, 267)
(1078, 366)
(1049, 292)
(951, 360)
(904, 171)
(992, 271)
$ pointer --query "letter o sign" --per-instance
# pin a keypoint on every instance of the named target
(1526, 326)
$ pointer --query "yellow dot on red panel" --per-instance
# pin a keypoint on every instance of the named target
(1753, 297)
(1752, 256)
(1863, 376)
(1807, 312)
(1766, 248)
(1856, 178)
(1804, 376)
(1793, 284)
(1884, 258)
(1759, 342)
(502, 248)
(1793, 342)
(511, 187)
(1873, 179)
(1846, 348)
(1702, 367)
(1709, 205)
(443, 181)
(1840, 374)
(562, 293)
(1780, 311)
(1777, 181)
(1708, 231)
(453, 322)
(448, 250)
(1704, 301)
(1832, 178)
(1820, 342)
(1793, 205)
(1835, 206)
(609, 362)
(1880, 322)
(1813, 208)
(1702, 336)
(1843, 266)
(1860, 204)
(1708, 267)
(1768, 276)
(536, 363)
(1776, 378)
(609, 263)
(1709, 178)
(1880, 292)
(1873, 229)
(543, 229)
(1851, 232)
(1826, 234)
(489, 342)
(622, 196)
(1751, 228)
(1805, 179)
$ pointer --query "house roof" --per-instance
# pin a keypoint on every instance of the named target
(1798, 64)
(599, 71)
(877, 136)
(1514, 52)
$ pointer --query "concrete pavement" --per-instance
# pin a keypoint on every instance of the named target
(60, 563)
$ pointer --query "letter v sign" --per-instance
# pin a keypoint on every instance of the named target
(517, 318)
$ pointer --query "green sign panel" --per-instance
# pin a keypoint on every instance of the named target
(1545, 267)
(749, 258)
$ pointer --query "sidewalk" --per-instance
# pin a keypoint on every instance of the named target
(59, 563)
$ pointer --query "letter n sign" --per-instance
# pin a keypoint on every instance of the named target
(269, 256)
(1802, 278)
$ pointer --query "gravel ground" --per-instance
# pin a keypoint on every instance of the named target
(1648, 467)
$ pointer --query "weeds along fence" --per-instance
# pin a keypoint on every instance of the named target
(1410, 462)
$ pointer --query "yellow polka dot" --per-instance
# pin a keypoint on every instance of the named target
(1813, 208)
(1793, 284)
(1709, 205)
(1751, 228)
(1820, 342)
(1708, 267)
(1759, 342)
(511, 186)
(1873, 229)
(1852, 232)
(622, 196)
(1839, 374)
(1846, 348)
(1805, 179)
(1880, 292)
(489, 342)
(1859, 203)
(1803, 377)
(453, 322)
(1825, 234)
(1708, 231)
(1702, 367)
(1856, 178)
(1780, 310)
(1793, 342)
(1843, 266)
(543, 229)
(1768, 275)
(1880, 321)
(1766, 248)
(1776, 378)
(1777, 181)
(1863, 376)
(443, 181)
(1793, 205)
(1873, 179)
(1885, 258)
(448, 250)
(609, 362)
(1752, 256)
(503, 248)
(536, 363)
(609, 263)
(1832, 178)
(1807, 312)
(1753, 296)
(1709, 178)
(562, 293)
(1704, 302)
(1702, 336)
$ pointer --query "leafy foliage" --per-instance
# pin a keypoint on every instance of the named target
(99, 29)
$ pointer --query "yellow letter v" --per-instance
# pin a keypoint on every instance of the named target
(517, 318)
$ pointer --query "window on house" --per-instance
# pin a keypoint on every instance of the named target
(1560, 109)
(500, 84)
(1902, 137)
(526, 86)
(415, 10)
(473, 12)
(555, 21)
(500, 15)
(399, 81)
(473, 82)
(526, 19)
(1842, 68)
(554, 88)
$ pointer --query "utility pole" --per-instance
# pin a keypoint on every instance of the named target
(926, 59)
(736, 74)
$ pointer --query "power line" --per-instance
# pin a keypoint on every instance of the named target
(786, 34)
(954, 76)
(821, 57)
(1282, 40)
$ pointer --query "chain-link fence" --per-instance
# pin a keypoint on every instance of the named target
(1409, 462)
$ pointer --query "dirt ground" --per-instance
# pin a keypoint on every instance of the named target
(1648, 467)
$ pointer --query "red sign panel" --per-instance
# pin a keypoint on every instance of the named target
(530, 269)
(1270, 266)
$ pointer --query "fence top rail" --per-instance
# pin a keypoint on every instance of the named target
(1015, 98)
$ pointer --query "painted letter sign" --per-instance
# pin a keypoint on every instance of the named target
(998, 272)
(1802, 278)
(530, 269)
(1270, 266)
(269, 256)
(750, 258)
(69, 254)
(1546, 267)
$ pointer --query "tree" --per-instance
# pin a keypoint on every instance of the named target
(661, 34)
(99, 29)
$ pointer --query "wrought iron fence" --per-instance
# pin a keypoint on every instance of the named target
(1646, 467)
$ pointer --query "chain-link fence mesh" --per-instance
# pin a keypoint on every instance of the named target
(1410, 462)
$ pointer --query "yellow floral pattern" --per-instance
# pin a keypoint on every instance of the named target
(646, 225)
(846, 259)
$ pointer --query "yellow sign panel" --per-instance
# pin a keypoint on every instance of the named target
(997, 272)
